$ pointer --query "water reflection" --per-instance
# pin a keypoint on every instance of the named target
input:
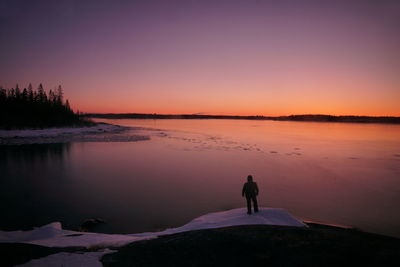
(34, 153)
(337, 173)
(25, 170)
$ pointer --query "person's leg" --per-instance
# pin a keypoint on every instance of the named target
(255, 204)
(248, 199)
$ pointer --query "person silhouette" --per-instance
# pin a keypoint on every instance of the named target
(250, 190)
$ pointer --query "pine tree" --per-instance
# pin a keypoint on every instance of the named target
(40, 93)
(24, 95)
(60, 95)
(52, 97)
(3, 94)
(17, 92)
(67, 106)
(30, 93)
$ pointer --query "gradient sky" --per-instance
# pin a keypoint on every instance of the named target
(213, 57)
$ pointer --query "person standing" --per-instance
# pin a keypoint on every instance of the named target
(250, 190)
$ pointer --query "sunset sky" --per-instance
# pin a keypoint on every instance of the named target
(209, 57)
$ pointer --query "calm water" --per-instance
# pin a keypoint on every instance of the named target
(330, 172)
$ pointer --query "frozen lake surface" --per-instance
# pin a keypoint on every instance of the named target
(329, 172)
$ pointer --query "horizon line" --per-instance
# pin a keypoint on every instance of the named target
(231, 115)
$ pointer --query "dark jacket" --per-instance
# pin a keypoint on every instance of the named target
(250, 189)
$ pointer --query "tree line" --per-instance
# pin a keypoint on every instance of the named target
(307, 117)
(29, 108)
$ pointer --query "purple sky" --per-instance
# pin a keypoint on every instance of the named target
(219, 57)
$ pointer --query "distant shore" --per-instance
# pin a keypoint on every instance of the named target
(306, 117)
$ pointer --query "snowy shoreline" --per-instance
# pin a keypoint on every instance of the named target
(101, 132)
(203, 241)
(52, 235)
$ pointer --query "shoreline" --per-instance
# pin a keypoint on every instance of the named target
(100, 132)
(317, 243)
(236, 237)
(294, 118)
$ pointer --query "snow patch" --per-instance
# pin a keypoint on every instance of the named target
(266, 216)
(45, 232)
(88, 259)
(101, 132)
(52, 235)
(51, 132)
(269, 216)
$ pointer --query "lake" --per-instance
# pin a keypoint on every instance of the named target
(339, 173)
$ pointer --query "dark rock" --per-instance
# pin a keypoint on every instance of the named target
(91, 223)
(261, 245)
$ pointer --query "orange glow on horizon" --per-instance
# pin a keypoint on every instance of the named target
(239, 102)
(266, 58)
(230, 110)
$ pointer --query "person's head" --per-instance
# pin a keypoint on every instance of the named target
(250, 178)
